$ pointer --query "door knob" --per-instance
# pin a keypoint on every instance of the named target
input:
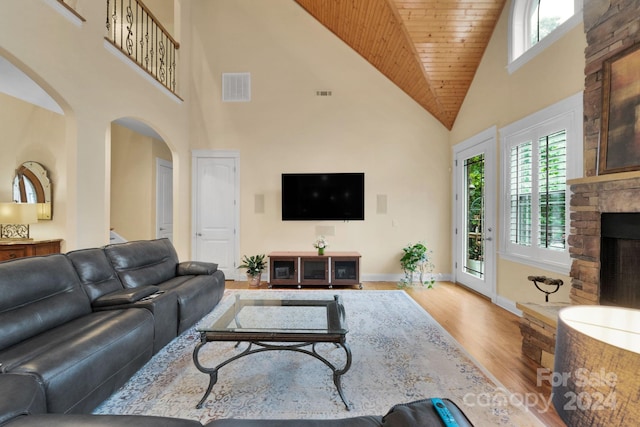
(488, 238)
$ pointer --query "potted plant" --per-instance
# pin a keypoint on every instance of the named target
(415, 259)
(254, 265)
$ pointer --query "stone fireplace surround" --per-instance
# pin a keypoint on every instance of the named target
(617, 193)
(611, 26)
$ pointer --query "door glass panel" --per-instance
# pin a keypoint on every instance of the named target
(474, 213)
(314, 270)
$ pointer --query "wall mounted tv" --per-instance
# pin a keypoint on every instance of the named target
(322, 196)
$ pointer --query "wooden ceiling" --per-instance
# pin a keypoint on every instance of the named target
(431, 49)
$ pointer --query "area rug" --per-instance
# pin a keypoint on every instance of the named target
(400, 354)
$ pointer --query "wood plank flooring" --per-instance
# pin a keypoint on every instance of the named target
(489, 333)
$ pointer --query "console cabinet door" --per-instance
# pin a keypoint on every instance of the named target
(314, 271)
(284, 271)
(345, 271)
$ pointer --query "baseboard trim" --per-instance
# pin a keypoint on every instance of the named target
(508, 305)
(438, 277)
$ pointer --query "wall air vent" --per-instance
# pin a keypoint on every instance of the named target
(323, 93)
(236, 87)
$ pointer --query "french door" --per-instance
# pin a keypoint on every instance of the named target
(475, 224)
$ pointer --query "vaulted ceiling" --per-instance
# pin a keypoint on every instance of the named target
(431, 49)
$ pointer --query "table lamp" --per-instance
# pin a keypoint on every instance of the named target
(15, 219)
(597, 359)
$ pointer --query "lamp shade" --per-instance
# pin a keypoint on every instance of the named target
(597, 359)
(18, 213)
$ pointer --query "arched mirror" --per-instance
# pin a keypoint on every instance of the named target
(32, 185)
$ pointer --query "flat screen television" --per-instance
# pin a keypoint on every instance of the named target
(322, 196)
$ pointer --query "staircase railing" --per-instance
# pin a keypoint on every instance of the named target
(132, 28)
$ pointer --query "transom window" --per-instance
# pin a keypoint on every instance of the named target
(547, 15)
(535, 24)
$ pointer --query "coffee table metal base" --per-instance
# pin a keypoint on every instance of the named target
(262, 346)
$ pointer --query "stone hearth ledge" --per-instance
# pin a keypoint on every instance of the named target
(538, 326)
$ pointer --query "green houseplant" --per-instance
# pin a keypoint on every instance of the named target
(416, 259)
(254, 264)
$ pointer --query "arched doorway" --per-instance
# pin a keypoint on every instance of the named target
(141, 182)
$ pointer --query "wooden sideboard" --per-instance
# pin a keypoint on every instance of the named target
(13, 249)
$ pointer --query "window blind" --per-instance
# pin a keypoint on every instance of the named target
(552, 179)
(520, 172)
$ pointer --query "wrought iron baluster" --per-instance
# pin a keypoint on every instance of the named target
(161, 54)
(129, 16)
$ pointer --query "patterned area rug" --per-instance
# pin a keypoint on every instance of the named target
(400, 354)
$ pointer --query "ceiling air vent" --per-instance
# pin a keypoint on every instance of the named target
(236, 87)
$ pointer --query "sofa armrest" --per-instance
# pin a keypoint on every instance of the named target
(87, 420)
(422, 413)
(125, 296)
(22, 395)
(196, 268)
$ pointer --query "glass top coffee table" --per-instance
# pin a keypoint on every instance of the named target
(277, 324)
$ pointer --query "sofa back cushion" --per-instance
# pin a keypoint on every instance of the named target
(38, 294)
(96, 273)
(142, 263)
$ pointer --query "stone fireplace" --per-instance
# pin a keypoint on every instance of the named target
(592, 201)
(611, 26)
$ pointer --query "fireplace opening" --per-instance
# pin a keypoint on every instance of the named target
(620, 260)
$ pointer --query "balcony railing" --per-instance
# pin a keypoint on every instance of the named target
(70, 5)
(132, 28)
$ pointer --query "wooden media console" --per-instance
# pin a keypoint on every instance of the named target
(310, 269)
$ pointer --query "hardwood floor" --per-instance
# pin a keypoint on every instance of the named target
(489, 333)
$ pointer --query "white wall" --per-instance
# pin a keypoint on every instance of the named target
(367, 125)
(94, 87)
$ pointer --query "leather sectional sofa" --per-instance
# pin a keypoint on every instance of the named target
(75, 327)
(83, 323)
(27, 408)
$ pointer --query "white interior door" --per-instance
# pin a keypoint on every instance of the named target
(164, 199)
(216, 214)
(475, 224)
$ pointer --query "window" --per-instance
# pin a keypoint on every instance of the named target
(540, 153)
(550, 197)
(536, 24)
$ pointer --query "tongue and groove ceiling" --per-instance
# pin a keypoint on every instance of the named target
(430, 49)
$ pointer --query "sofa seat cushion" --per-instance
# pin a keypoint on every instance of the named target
(26, 396)
(57, 420)
(83, 361)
